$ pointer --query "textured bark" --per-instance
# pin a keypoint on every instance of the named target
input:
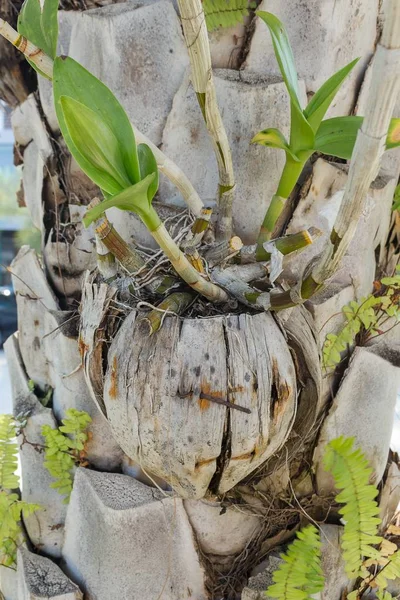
(216, 423)
(15, 83)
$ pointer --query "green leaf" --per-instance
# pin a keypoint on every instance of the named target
(352, 473)
(72, 80)
(148, 166)
(11, 534)
(96, 149)
(301, 134)
(224, 13)
(273, 138)
(40, 26)
(322, 99)
(337, 136)
(396, 199)
(300, 574)
(58, 459)
(283, 53)
(135, 199)
(8, 453)
(393, 138)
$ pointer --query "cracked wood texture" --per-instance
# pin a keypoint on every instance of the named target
(159, 394)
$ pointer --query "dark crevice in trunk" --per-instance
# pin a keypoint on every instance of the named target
(226, 445)
(248, 36)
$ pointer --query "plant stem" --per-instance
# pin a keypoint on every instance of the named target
(198, 229)
(176, 303)
(248, 272)
(241, 290)
(196, 37)
(365, 161)
(226, 249)
(195, 259)
(286, 245)
(129, 259)
(32, 52)
(106, 263)
(290, 176)
(174, 174)
(184, 269)
(369, 148)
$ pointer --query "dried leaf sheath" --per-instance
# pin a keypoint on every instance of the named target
(183, 267)
(370, 144)
(43, 62)
(195, 31)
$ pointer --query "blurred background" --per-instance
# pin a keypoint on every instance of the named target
(16, 229)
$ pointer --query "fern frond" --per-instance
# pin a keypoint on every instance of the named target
(363, 315)
(358, 315)
(224, 13)
(75, 424)
(393, 281)
(65, 447)
(58, 460)
(384, 595)
(8, 453)
(390, 570)
(352, 473)
(10, 528)
(300, 575)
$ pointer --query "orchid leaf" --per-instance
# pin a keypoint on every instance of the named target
(95, 147)
(40, 25)
(148, 165)
(72, 80)
(273, 138)
(301, 134)
(322, 99)
(135, 199)
(283, 52)
(337, 136)
(393, 138)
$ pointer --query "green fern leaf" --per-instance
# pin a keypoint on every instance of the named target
(225, 13)
(384, 595)
(8, 453)
(63, 448)
(390, 570)
(10, 528)
(75, 424)
(351, 474)
(358, 315)
(300, 575)
(393, 281)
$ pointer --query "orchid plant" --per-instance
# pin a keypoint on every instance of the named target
(102, 140)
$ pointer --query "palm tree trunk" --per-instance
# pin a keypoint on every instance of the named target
(206, 437)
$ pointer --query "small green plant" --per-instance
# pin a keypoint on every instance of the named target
(65, 448)
(308, 132)
(8, 453)
(368, 557)
(364, 318)
(300, 576)
(351, 473)
(100, 137)
(11, 507)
